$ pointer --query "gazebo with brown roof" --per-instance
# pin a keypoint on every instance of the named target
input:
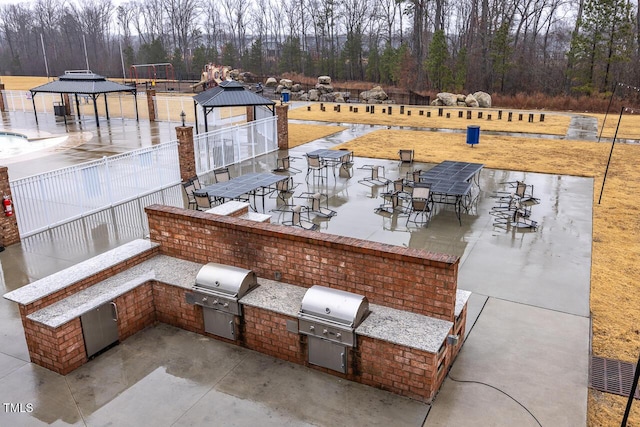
(83, 82)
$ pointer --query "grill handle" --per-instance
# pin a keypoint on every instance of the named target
(233, 331)
(343, 356)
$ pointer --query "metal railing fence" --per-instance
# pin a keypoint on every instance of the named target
(53, 198)
(223, 147)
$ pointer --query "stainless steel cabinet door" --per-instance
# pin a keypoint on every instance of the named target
(100, 328)
(327, 354)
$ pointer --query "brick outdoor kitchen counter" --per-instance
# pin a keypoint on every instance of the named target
(147, 287)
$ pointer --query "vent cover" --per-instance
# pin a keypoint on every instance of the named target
(612, 376)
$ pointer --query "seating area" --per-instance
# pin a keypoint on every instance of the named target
(513, 206)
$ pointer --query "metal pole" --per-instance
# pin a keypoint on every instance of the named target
(634, 386)
(124, 74)
(608, 107)
(86, 56)
(610, 153)
(44, 54)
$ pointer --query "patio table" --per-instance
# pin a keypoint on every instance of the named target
(333, 157)
(251, 184)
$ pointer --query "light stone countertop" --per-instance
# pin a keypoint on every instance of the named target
(64, 278)
(275, 296)
(405, 328)
(384, 323)
(162, 268)
(461, 299)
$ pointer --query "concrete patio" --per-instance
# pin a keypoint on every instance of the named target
(525, 356)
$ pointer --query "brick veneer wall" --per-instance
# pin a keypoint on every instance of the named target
(85, 283)
(151, 106)
(9, 233)
(172, 308)
(266, 332)
(403, 278)
(136, 310)
(402, 370)
(60, 350)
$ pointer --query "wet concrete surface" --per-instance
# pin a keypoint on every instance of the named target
(528, 314)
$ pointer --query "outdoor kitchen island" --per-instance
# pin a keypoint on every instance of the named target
(138, 284)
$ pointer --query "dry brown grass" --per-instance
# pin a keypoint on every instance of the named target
(301, 134)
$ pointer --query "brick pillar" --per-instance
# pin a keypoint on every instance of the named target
(150, 104)
(186, 154)
(282, 111)
(67, 104)
(250, 113)
(9, 233)
(2, 107)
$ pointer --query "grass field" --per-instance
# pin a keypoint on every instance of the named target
(615, 300)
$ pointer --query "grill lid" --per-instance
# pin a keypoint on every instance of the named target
(225, 279)
(334, 305)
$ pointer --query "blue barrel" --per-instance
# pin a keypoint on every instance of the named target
(473, 135)
(285, 96)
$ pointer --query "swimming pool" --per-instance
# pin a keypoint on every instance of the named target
(13, 144)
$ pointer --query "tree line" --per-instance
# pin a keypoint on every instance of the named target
(508, 46)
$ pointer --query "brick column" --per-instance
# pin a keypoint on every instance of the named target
(9, 233)
(150, 104)
(250, 116)
(186, 154)
(282, 111)
(67, 104)
(2, 107)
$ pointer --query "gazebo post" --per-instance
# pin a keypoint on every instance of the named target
(33, 101)
(195, 112)
(206, 122)
(65, 112)
(106, 105)
(95, 108)
(77, 106)
(135, 101)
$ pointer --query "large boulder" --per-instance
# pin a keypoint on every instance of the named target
(332, 97)
(304, 97)
(286, 83)
(324, 88)
(483, 98)
(324, 80)
(447, 99)
(314, 95)
(296, 87)
(471, 101)
(375, 94)
(279, 89)
(271, 82)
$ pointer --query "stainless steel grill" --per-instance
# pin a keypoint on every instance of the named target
(217, 289)
(329, 318)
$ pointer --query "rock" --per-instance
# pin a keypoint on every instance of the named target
(339, 97)
(324, 80)
(314, 95)
(296, 88)
(437, 103)
(461, 97)
(375, 93)
(304, 97)
(279, 89)
(471, 101)
(483, 98)
(448, 99)
(462, 104)
(286, 83)
(271, 82)
(324, 88)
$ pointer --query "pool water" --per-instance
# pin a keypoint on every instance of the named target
(14, 144)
